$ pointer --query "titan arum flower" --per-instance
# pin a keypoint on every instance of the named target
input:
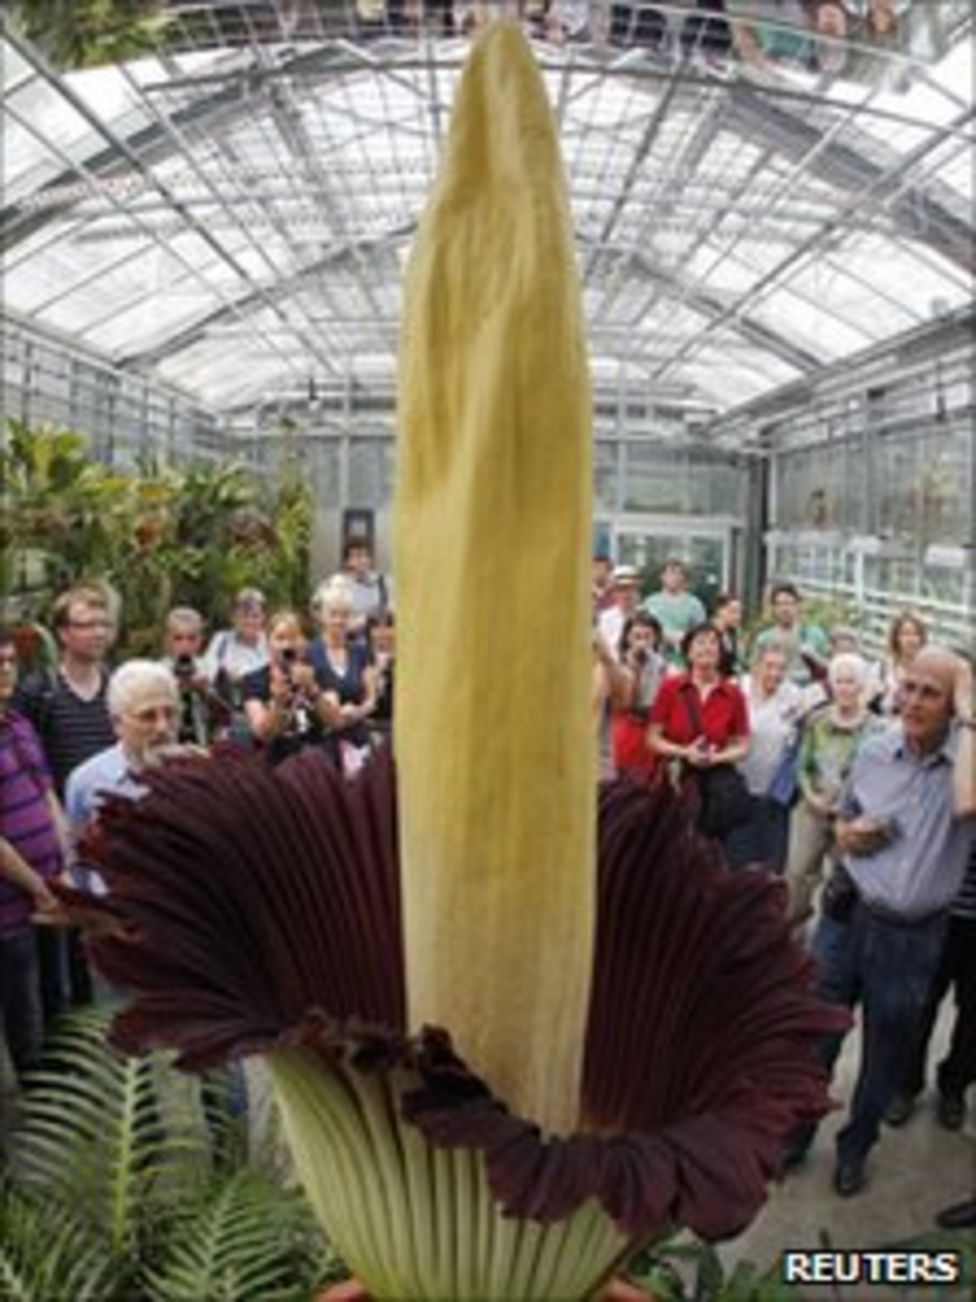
(515, 1032)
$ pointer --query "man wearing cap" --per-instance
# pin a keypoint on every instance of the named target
(675, 608)
(625, 586)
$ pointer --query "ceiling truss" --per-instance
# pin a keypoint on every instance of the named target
(296, 168)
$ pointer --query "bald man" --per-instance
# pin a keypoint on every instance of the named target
(903, 836)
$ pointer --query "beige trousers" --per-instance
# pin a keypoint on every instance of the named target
(811, 839)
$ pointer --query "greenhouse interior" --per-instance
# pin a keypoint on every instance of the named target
(217, 426)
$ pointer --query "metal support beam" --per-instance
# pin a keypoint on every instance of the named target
(251, 301)
(929, 211)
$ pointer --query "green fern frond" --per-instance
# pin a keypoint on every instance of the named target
(117, 1137)
(47, 1252)
(246, 1240)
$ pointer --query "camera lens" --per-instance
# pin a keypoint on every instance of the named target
(183, 665)
(288, 655)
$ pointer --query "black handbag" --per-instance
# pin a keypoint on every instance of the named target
(840, 894)
(723, 797)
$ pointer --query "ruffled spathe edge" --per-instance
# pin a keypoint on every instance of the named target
(255, 909)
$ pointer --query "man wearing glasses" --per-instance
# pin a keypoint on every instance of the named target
(69, 712)
(68, 708)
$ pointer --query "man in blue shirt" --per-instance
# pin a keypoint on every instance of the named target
(143, 701)
(903, 833)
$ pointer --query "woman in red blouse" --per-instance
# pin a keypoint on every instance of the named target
(641, 671)
(700, 717)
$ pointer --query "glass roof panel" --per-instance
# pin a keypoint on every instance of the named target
(54, 119)
(250, 228)
(814, 328)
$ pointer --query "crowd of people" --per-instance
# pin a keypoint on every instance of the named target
(811, 34)
(849, 776)
(75, 733)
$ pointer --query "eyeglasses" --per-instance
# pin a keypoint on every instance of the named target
(153, 714)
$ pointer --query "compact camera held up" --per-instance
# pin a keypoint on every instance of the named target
(184, 667)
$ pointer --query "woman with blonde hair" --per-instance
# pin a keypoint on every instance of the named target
(906, 637)
(342, 670)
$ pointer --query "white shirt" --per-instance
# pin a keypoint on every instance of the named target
(610, 625)
(772, 720)
(228, 651)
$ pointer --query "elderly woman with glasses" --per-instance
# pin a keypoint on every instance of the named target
(830, 743)
(342, 669)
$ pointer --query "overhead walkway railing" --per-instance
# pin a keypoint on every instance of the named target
(863, 40)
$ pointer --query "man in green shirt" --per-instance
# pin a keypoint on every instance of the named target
(807, 646)
(675, 608)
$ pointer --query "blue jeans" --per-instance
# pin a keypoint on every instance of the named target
(20, 998)
(887, 968)
(957, 968)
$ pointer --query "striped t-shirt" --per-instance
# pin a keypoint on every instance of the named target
(71, 729)
(25, 819)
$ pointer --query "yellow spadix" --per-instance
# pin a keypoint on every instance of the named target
(492, 533)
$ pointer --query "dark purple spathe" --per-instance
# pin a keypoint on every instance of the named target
(263, 906)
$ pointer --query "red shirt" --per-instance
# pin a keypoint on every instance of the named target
(724, 714)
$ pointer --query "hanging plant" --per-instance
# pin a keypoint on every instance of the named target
(86, 33)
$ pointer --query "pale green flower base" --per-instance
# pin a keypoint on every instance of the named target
(414, 1221)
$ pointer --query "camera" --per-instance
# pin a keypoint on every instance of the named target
(640, 657)
(184, 666)
(288, 657)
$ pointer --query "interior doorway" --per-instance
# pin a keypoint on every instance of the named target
(707, 554)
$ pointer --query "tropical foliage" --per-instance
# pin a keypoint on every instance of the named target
(688, 1270)
(159, 536)
(122, 1186)
(84, 33)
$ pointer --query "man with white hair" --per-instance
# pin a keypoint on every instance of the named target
(903, 833)
(143, 704)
